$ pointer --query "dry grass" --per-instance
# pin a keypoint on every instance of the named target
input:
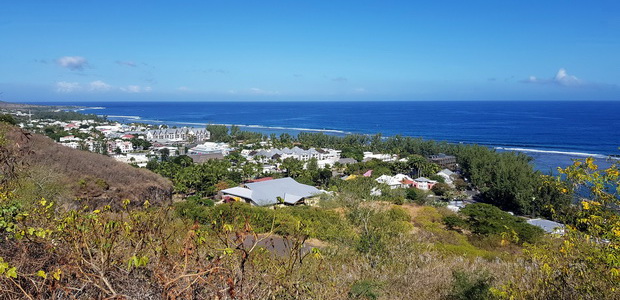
(98, 180)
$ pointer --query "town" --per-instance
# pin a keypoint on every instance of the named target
(299, 201)
(273, 171)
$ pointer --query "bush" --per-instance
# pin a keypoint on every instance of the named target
(470, 286)
(440, 189)
(460, 184)
(437, 178)
(453, 222)
(200, 201)
(8, 119)
(486, 219)
(416, 196)
(314, 222)
(365, 289)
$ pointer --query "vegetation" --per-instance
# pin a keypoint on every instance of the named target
(125, 240)
(6, 118)
(486, 219)
(61, 115)
(75, 178)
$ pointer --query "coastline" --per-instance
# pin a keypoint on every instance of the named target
(546, 156)
(545, 161)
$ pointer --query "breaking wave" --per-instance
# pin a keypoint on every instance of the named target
(127, 117)
(568, 153)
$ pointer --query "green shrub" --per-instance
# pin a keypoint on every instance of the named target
(200, 201)
(417, 196)
(486, 219)
(8, 119)
(437, 178)
(453, 222)
(441, 189)
(365, 289)
(314, 222)
(470, 286)
(322, 224)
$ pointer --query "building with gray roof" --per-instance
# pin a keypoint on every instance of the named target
(547, 225)
(272, 192)
(178, 135)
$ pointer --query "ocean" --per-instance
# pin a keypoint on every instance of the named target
(552, 132)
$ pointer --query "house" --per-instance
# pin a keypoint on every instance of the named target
(423, 183)
(71, 126)
(211, 148)
(124, 146)
(178, 135)
(271, 192)
(447, 175)
(74, 145)
(69, 138)
(323, 156)
(382, 157)
(445, 161)
(396, 181)
(547, 225)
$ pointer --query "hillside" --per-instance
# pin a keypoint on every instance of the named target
(94, 179)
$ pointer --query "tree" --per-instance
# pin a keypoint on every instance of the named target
(354, 153)
(219, 133)
(441, 189)
(585, 262)
(460, 184)
(285, 139)
(292, 166)
(416, 196)
(6, 118)
(183, 160)
(437, 178)
(117, 151)
(234, 131)
(164, 154)
(486, 219)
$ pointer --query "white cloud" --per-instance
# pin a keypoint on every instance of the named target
(67, 87)
(561, 78)
(567, 80)
(73, 63)
(183, 89)
(99, 85)
(136, 89)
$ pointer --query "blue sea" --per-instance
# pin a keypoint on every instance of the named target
(552, 132)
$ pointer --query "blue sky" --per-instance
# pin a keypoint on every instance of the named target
(309, 50)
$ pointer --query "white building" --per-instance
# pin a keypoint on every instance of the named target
(424, 183)
(447, 175)
(124, 146)
(74, 145)
(69, 138)
(324, 156)
(178, 135)
(396, 181)
(211, 148)
(382, 157)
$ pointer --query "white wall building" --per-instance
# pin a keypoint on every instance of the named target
(178, 135)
